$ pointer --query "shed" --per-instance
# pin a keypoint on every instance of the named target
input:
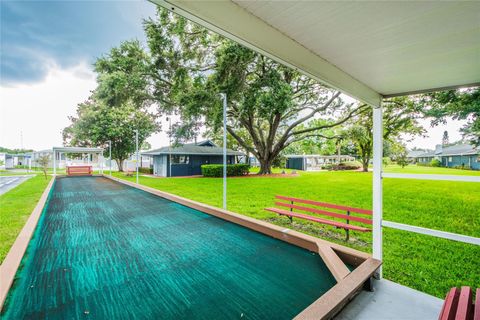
(311, 162)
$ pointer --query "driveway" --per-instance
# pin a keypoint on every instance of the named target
(9, 182)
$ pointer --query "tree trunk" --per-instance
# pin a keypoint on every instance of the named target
(365, 164)
(265, 166)
(119, 164)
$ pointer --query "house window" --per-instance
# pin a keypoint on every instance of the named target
(176, 159)
(449, 159)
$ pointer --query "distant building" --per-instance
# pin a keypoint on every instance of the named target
(312, 162)
(412, 156)
(460, 155)
(186, 160)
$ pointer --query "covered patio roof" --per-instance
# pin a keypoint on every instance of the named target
(77, 150)
(368, 50)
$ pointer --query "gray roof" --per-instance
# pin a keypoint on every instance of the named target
(458, 149)
(204, 147)
(415, 153)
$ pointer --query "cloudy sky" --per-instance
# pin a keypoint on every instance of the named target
(47, 51)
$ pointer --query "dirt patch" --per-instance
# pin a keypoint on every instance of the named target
(272, 175)
(317, 231)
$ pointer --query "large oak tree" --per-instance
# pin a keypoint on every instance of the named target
(269, 105)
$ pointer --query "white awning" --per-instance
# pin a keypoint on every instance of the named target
(368, 50)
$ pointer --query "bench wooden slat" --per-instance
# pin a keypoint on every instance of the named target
(320, 220)
(450, 305)
(79, 170)
(464, 308)
(328, 213)
(326, 205)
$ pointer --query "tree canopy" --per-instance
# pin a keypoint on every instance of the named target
(461, 104)
(400, 118)
(121, 104)
(269, 105)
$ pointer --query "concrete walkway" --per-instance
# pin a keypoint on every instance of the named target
(9, 182)
(392, 301)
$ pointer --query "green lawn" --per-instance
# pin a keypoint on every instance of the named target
(428, 264)
(425, 263)
(430, 170)
(15, 207)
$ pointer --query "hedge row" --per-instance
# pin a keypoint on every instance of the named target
(146, 170)
(348, 165)
(216, 170)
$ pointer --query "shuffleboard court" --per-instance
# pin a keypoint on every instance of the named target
(103, 250)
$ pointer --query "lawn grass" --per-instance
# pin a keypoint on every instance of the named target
(429, 170)
(15, 207)
(425, 263)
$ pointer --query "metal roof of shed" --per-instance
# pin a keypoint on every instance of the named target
(192, 149)
(368, 50)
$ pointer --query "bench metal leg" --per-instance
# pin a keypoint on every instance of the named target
(368, 285)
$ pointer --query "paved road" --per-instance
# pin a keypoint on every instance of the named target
(9, 182)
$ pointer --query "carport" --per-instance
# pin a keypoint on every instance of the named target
(367, 50)
(82, 150)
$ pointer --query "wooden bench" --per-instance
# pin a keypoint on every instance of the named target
(314, 207)
(459, 305)
(79, 170)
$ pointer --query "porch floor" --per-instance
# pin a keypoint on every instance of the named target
(393, 301)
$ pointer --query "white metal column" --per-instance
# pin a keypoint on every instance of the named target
(54, 162)
(377, 184)
(224, 96)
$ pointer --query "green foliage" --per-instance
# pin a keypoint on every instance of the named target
(400, 117)
(279, 162)
(124, 76)
(14, 151)
(16, 206)
(145, 170)
(216, 170)
(347, 165)
(435, 163)
(268, 104)
(43, 162)
(119, 105)
(461, 104)
(97, 123)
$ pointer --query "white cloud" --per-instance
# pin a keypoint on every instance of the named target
(434, 135)
(40, 110)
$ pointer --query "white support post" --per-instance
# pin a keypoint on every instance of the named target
(54, 162)
(377, 185)
(136, 150)
(224, 96)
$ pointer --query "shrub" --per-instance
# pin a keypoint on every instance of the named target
(463, 167)
(423, 164)
(348, 165)
(435, 163)
(216, 170)
(146, 170)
